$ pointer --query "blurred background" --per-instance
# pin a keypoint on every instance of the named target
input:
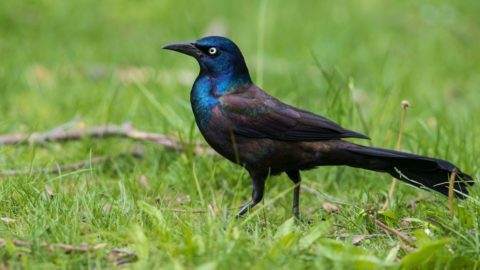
(101, 62)
(61, 59)
(353, 63)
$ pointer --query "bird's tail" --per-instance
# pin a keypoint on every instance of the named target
(417, 170)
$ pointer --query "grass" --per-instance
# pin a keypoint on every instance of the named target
(354, 63)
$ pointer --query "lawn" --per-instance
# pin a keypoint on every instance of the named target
(81, 64)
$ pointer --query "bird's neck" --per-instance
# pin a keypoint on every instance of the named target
(220, 83)
(207, 90)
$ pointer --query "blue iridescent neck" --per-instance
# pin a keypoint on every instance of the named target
(225, 79)
(207, 90)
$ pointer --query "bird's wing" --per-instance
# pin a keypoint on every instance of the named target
(253, 113)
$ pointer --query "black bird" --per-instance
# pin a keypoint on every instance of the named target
(268, 137)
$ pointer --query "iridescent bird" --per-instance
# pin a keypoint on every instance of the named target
(268, 137)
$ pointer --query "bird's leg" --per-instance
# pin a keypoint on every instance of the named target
(295, 177)
(258, 184)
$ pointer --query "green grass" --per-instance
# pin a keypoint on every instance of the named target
(352, 62)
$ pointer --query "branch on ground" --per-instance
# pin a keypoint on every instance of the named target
(105, 131)
(84, 247)
(118, 256)
(394, 232)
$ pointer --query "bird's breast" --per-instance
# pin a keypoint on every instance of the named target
(202, 102)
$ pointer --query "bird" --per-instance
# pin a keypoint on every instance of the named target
(268, 137)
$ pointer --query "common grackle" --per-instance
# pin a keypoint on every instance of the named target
(249, 127)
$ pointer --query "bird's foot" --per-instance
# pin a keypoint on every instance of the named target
(241, 213)
(304, 221)
(296, 214)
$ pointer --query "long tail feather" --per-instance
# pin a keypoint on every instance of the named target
(417, 170)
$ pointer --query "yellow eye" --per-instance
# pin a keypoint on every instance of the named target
(212, 50)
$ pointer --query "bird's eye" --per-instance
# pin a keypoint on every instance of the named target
(212, 50)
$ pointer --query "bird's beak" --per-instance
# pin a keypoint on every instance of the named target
(187, 48)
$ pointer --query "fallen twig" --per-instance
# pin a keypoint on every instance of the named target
(59, 134)
(210, 210)
(123, 131)
(185, 211)
(119, 256)
(393, 231)
(84, 247)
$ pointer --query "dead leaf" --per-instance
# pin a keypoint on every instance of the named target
(143, 180)
(329, 207)
(49, 190)
(358, 238)
(106, 208)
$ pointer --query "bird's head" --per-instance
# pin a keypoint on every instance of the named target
(217, 56)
